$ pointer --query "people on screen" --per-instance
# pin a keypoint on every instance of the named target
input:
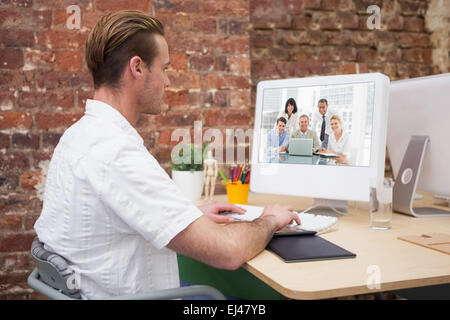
(305, 133)
(278, 138)
(290, 113)
(321, 122)
(339, 140)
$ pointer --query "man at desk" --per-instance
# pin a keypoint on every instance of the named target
(278, 138)
(305, 133)
(109, 207)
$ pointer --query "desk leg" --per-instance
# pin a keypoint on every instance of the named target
(239, 284)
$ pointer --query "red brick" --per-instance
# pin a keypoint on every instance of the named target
(237, 118)
(31, 99)
(408, 40)
(213, 117)
(19, 204)
(10, 223)
(395, 23)
(178, 61)
(39, 156)
(11, 59)
(10, 18)
(240, 98)
(50, 139)
(30, 179)
(220, 98)
(237, 8)
(69, 60)
(201, 63)
(205, 25)
(62, 79)
(16, 262)
(301, 22)
(108, 5)
(271, 21)
(311, 4)
(25, 141)
(16, 38)
(292, 6)
(226, 81)
(165, 138)
(177, 118)
(258, 40)
(4, 141)
(176, 98)
(70, 39)
(417, 55)
(16, 242)
(230, 45)
(239, 64)
(37, 58)
(162, 154)
(60, 99)
(414, 24)
(184, 80)
(42, 18)
(234, 27)
(187, 6)
(14, 161)
(46, 120)
(19, 3)
(29, 221)
(11, 119)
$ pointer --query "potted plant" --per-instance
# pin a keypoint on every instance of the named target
(187, 170)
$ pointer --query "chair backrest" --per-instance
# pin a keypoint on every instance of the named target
(54, 270)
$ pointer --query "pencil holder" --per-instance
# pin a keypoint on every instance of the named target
(237, 192)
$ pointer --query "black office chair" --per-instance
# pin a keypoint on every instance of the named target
(55, 278)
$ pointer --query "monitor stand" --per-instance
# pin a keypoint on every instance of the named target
(328, 207)
(407, 179)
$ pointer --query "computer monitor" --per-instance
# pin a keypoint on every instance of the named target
(359, 100)
(420, 107)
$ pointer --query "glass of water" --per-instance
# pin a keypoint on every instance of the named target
(381, 205)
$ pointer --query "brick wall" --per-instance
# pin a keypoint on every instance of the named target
(219, 50)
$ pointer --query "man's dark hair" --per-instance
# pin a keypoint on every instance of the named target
(291, 102)
(282, 119)
(323, 100)
(115, 39)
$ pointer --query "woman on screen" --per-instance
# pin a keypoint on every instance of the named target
(339, 140)
(290, 113)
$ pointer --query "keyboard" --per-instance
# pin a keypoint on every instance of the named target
(310, 222)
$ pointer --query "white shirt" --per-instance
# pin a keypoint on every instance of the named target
(110, 209)
(317, 119)
(342, 146)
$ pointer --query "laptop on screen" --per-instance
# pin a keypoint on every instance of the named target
(300, 147)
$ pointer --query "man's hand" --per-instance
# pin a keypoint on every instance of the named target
(212, 210)
(283, 215)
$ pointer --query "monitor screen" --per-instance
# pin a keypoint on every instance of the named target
(317, 125)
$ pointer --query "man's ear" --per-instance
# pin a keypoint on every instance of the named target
(136, 66)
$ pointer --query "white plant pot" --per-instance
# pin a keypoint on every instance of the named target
(190, 183)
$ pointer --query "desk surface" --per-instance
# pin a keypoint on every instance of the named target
(399, 264)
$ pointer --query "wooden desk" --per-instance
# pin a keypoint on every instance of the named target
(401, 264)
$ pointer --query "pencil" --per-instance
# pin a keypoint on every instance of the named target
(223, 177)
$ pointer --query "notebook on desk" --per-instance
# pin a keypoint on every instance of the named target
(306, 247)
